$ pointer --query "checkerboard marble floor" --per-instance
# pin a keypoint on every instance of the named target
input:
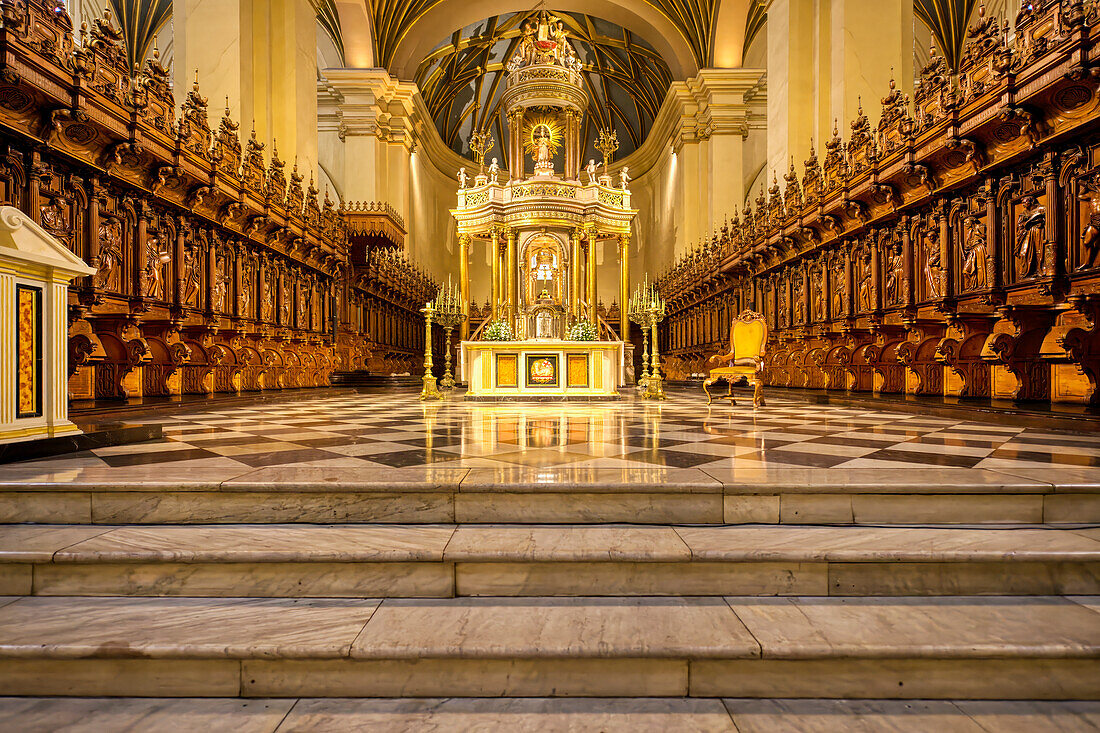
(396, 431)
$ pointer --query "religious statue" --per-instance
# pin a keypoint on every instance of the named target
(976, 253)
(543, 163)
(818, 293)
(1030, 242)
(590, 169)
(109, 260)
(866, 285)
(190, 275)
(893, 274)
(932, 267)
(494, 171)
(152, 281)
(543, 40)
(462, 178)
(1090, 237)
(624, 177)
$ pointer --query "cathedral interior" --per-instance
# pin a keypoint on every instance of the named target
(716, 365)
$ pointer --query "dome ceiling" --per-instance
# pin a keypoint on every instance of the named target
(462, 81)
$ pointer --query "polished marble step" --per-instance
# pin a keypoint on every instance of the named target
(442, 561)
(942, 648)
(50, 493)
(545, 715)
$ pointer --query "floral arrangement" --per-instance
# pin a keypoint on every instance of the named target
(498, 330)
(583, 331)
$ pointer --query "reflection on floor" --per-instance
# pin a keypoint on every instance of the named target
(396, 431)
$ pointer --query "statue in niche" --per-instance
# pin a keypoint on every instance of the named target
(932, 266)
(244, 296)
(152, 280)
(53, 217)
(799, 302)
(838, 290)
(269, 297)
(109, 260)
(893, 274)
(1090, 236)
(221, 287)
(590, 169)
(190, 275)
(1030, 243)
(543, 162)
(818, 294)
(975, 255)
(866, 292)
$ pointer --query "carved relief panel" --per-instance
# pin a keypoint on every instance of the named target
(109, 258)
(975, 261)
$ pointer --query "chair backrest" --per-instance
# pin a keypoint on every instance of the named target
(748, 335)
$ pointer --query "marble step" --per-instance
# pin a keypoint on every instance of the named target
(212, 495)
(443, 561)
(940, 648)
(545, 715)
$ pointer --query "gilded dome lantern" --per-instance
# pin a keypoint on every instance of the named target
(544, 100)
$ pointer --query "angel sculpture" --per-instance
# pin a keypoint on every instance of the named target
(462, 178)
(494, 170)
(624, 177)
(590, 169)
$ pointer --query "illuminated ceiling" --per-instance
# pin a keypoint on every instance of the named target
(462, 81)
(694, 20)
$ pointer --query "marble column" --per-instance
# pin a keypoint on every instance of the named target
(510, 273)
(624, 286)
(494, 261)
(590, 274)
(464, 281)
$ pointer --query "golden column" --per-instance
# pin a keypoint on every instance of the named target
(464, 281)
(590, 273)
(510, 274)
(494, 252)
(624, 286)
(575, 283)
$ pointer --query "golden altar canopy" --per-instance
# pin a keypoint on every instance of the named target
(542, 225)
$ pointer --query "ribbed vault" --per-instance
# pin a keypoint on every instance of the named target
(462, 80)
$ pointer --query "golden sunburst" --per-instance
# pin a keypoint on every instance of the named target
(543, 123)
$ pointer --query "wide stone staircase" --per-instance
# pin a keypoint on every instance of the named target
(944, 584)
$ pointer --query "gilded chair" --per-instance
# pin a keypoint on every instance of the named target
(748, 337)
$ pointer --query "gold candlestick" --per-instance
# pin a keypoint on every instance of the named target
(430, 390)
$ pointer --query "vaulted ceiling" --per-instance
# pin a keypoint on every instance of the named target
(462, 80)
(694, 20)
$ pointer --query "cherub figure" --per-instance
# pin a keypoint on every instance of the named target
(590, 169)
(494, 170)
(462, 178)
(624, 177)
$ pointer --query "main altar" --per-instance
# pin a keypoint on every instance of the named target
(542, 230)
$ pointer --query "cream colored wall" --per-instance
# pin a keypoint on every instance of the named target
(824, 58)
(377, 143)
(262, 55)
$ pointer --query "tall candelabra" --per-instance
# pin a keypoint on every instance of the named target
(481, 142)
(636, 312)
(449, 315)
(647, 309)
(606, 144)
(429, 391)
